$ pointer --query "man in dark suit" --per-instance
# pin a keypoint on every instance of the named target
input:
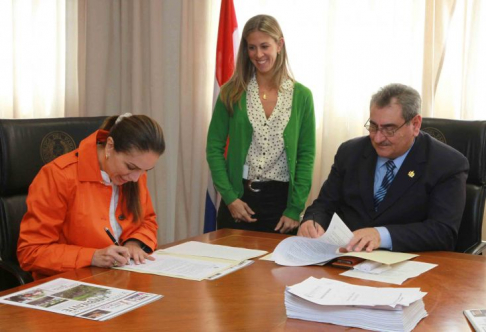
(398, 188)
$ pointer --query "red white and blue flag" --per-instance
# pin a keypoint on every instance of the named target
(225, 65)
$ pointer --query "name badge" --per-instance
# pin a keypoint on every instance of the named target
(246, 169)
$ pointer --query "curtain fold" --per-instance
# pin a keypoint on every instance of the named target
(437, 29)
(33, 65)
(129, 62)
(156, 57)
(455, 79)
(198, 46)
(345, 50)
(151, 57)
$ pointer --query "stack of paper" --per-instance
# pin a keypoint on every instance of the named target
(379, 309)
(196, 261)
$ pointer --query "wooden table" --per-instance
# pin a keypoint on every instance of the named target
(252, 299)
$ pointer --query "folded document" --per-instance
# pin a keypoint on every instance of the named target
(196, 261)
(393, 274)
(301, 251)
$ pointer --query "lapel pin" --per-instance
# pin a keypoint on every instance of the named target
(411, 174)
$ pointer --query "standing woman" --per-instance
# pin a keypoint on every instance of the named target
(101, 185)
(269, 121)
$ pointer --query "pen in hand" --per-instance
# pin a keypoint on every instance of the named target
(314, 220)
(111, 236)
(115, 241)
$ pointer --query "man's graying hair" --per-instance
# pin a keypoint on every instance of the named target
(404, 95)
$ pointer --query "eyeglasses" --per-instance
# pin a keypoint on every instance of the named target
(385, 131)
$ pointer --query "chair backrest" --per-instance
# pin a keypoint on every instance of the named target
(469, 138)
(25, 146)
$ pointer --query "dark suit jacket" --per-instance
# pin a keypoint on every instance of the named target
(422, 209)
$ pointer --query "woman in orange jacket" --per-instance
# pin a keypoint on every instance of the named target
(102, 184)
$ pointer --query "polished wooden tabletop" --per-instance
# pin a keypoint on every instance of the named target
(252, 299)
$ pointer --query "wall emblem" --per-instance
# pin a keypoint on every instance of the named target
(55, 144)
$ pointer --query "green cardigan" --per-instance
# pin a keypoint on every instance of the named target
(299, 139)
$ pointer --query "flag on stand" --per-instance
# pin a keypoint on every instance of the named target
(225, 65)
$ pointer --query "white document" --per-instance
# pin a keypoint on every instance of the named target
(372, 267)
(201, 249)
(231, 270)
(197, 268)
(196, 261)
(337, 233)
(79, 299)
(332, 292)
(397, 274)
(301, 251)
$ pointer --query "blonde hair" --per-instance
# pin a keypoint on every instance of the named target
(232, 91)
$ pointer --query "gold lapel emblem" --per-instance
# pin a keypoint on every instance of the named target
(411, 174)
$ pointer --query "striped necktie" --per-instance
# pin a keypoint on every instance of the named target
(385, 184)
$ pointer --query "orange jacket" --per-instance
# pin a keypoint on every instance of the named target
(67, 210)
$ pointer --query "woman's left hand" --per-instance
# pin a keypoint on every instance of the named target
(136, 253)
(286, 225)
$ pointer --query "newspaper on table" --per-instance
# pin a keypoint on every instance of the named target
(301, 251)
(477, 318)
(80, 299)
(335, 302)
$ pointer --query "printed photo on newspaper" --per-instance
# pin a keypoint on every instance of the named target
(80, 299)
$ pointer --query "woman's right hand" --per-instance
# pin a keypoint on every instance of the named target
(241, 211)
(111, 256)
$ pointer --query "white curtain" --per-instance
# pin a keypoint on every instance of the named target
(103, 57)
(455, 59)
(346, 50)
(33, 64)
(198, 46)
(156, 57)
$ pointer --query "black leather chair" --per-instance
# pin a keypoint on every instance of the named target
(469, 138)
(25, 146)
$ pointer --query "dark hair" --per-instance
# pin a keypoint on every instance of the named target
(404, 95)
(139, 133)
